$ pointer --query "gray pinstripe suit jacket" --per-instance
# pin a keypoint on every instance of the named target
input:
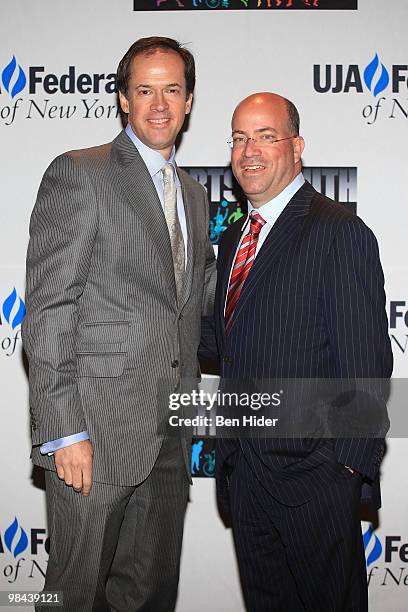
(103, 330)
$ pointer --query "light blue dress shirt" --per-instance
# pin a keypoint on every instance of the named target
(155, 162)
(270, 211)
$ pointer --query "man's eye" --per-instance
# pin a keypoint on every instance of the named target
(267, 138)
(238, 139)
(144, 92)
(173, 90)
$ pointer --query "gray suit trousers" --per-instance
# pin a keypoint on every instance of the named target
(118, 550)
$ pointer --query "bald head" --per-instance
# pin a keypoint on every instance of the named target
(267, 149)
(274, 101)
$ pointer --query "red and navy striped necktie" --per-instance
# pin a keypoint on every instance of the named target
(242, 265)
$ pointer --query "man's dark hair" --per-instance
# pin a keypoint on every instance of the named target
(293, 118)
(151, 45)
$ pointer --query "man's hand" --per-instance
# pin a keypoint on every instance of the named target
(74, 465)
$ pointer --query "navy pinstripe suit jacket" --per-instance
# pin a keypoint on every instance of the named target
(313, 306)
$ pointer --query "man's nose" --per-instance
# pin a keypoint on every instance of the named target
(159, 102)
(251, 148)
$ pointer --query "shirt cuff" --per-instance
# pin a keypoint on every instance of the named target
(49, 448)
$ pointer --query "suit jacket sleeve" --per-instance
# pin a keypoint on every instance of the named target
(208, 346)
(354, 302)
(62, 233)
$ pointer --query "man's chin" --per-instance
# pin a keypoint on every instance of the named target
(160, 144)
(251, 190)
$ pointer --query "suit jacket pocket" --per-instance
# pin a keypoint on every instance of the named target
(100, 364)
(105, 332)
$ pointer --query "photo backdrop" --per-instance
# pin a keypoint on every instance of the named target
(344, 66)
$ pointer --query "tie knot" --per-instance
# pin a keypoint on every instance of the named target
(168, 173)
(257, 223)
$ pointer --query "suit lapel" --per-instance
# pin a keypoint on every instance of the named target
(138, 188)
(188, 200)
(282, 234)
(230, 246)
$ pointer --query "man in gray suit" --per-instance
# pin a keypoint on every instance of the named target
(119, 272)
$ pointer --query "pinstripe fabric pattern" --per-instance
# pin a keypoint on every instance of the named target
(313, 306)
(107, 341)
(130, 538)
(317, 288)
(310, 558)
(103, 328)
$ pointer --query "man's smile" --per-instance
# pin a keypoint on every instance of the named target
(252, 168)
(162, 122)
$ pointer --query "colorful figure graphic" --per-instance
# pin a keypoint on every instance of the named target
(209, 464)
(179, 3)
(211, 3)
(234, 216)
(217, 224)
(289, 3)
(195, 456)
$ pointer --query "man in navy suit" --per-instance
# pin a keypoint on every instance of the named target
(300, 295)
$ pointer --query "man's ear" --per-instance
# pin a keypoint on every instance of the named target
(189, 103)
(124, 104)
(298, 147)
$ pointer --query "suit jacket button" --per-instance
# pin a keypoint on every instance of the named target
(175, 364)
(227, 359)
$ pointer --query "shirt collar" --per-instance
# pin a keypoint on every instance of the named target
(271, 210)
(153, 159)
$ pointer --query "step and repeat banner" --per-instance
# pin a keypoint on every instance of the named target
(345, 65)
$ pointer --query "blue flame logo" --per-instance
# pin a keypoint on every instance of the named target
(376, 550)
(8, 306)
(7, 75)
(10, 535)
(369, 74)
